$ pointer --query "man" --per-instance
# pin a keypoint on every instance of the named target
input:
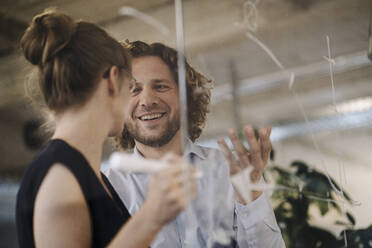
(152, 128)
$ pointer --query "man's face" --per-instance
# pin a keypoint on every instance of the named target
(153, 109)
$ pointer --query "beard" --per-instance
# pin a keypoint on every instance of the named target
(169, 131)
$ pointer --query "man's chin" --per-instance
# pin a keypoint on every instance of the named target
(149, 134)
(154, 142)
(157, 136)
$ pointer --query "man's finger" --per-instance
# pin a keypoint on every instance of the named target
(234, 168)
(254, 148)
(239, 148)
(264, 134)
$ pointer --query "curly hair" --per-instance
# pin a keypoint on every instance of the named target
(198, 88)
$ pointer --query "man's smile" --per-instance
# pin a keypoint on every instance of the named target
(151, 116)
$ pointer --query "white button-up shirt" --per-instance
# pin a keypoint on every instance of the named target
(214, 216)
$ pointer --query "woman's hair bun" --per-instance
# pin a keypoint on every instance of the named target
(48, 33)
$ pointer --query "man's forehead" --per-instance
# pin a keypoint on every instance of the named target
(149, 61)
(151, 69)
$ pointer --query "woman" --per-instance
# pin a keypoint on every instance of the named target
(64, 200)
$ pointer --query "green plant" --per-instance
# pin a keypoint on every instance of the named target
(308, 187)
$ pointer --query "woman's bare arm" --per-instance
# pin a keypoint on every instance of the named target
(61, 215)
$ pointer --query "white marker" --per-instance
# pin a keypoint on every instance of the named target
(128, 163)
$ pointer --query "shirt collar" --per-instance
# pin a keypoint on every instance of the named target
(136, 152)
(190, 148)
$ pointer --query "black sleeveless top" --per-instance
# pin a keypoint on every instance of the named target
(107, 214)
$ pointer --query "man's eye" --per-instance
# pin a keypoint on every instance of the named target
(161, 87)
(135, 90)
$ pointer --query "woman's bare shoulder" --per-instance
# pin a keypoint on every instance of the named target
(60, 206)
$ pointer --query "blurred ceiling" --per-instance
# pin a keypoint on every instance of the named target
(217, 43)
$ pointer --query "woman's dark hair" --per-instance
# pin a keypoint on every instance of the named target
(70, 56)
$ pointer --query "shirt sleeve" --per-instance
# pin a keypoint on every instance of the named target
(255, 225)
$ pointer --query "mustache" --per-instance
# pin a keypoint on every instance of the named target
(141, 110)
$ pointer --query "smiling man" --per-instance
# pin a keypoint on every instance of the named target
(152, 118)
(152, 128)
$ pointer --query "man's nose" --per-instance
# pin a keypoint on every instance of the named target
(148, 98)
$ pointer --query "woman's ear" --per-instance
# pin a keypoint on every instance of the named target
(113, 81)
